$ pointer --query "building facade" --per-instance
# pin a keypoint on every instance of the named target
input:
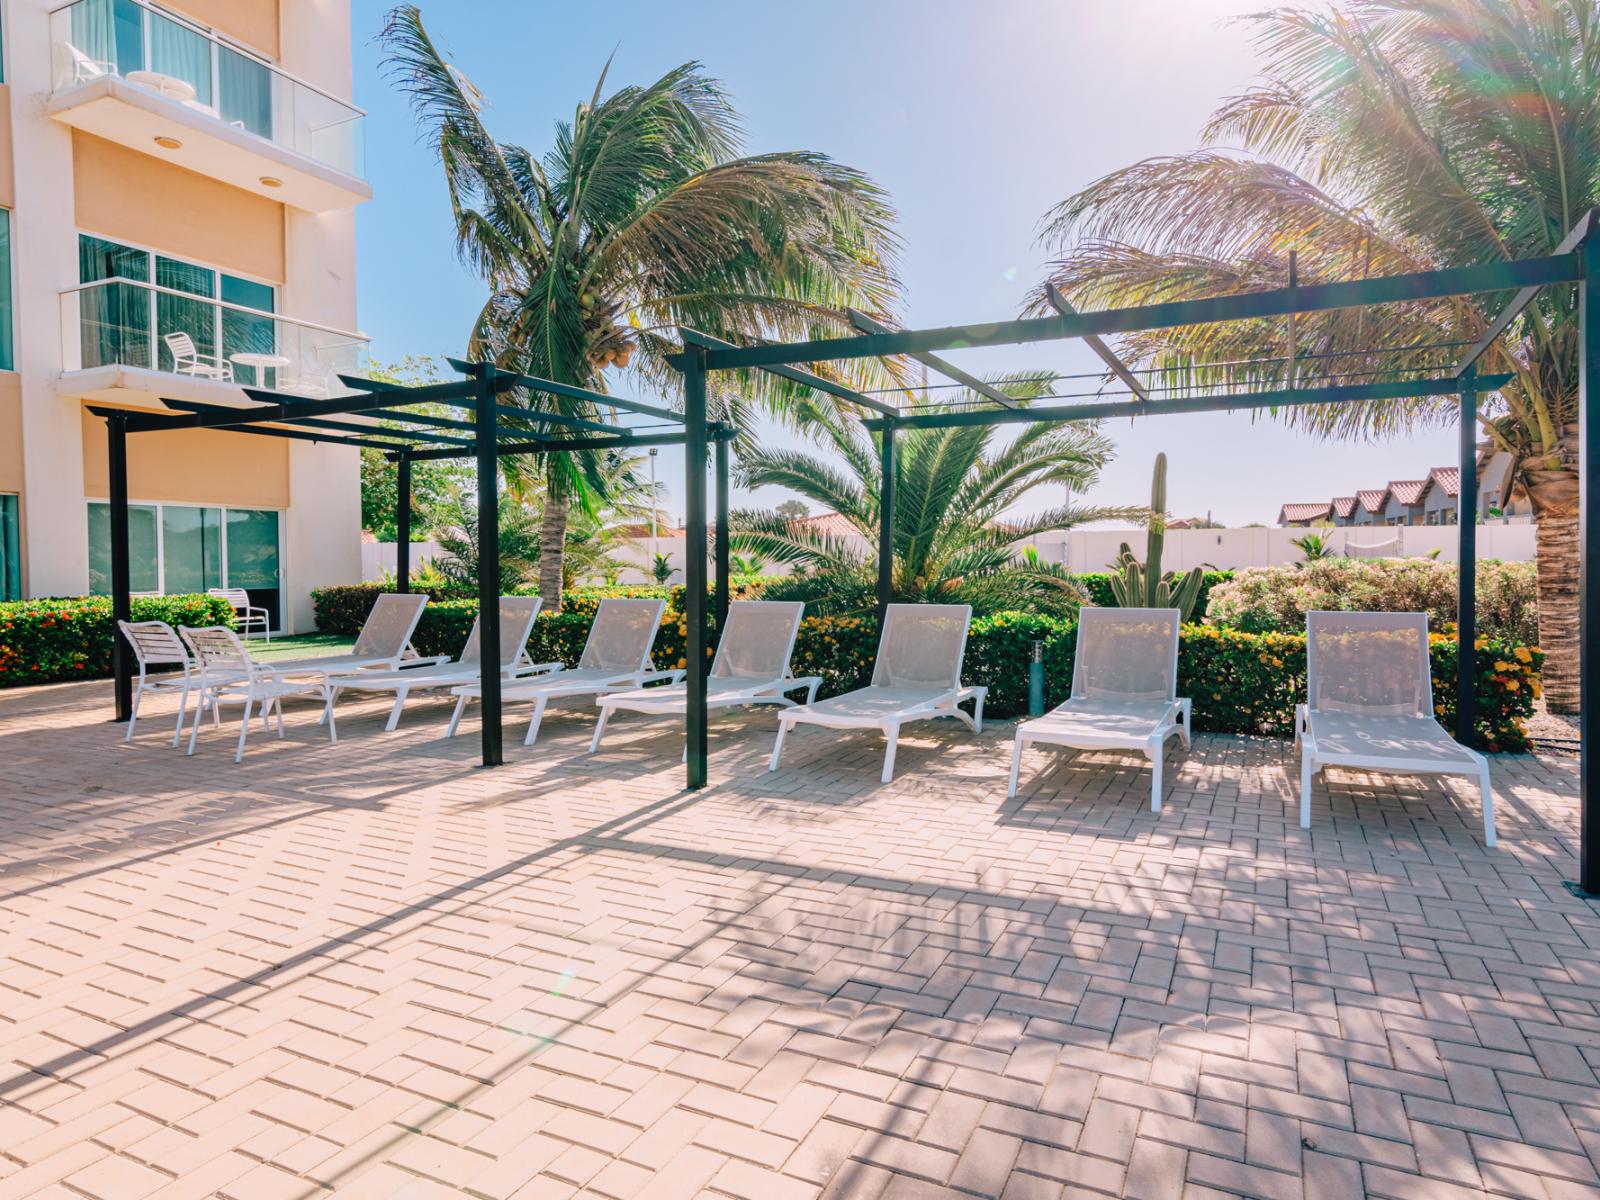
(178, 185)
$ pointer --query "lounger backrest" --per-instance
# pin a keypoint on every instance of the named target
(154, 642)
(922, 646)
(1126, 654)
(622, 635)
(1370, 664)
(758, 639)
(517, 614)
(390, 624)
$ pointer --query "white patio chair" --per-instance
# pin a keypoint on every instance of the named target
(187, 359)
(517, 614)
(616, 655)
(1369, 705)
(384, 642)
(1124, 691)
(751, 667)
(228, 674)
(157, 644)
(246, 615)
(917, 677)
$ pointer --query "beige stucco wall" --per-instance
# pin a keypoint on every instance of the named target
(133, 197)
(10, 431)
(8, 179)
(195, 466)
(253, 22)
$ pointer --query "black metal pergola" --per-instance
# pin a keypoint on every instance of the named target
(498, 430)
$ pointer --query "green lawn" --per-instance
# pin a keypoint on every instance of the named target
(311, 645)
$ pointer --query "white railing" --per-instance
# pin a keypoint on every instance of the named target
(191, 65)
(128, 323)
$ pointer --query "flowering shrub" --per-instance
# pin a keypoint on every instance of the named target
(1240, 682)
(46, 641)
(1276, 599)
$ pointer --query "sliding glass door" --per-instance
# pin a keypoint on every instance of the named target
(10, 549)
(181, 549)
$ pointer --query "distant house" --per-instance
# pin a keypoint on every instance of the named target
(1429, 501)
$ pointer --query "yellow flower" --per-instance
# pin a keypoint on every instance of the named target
(1480, 644)
(1502, 666)
(683, 664)
(1512, 685)
(1523, 655)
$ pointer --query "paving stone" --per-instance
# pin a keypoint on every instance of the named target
(375, 970)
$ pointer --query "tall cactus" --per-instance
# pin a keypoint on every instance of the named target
(1143, 585)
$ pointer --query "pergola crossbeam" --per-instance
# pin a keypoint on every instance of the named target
(1520, 301)
(1098, 344)
(415, 435)
(793, 374)
(933, 362)
(535, 384)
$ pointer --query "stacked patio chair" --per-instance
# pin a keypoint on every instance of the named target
(517, 614)
(227, 674)
(917, 677)
(156, 644)
(616, 655)
(1369, 705)
(1124, 691)
(751, 667)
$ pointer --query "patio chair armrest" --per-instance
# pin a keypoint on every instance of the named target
(432, 660)
(674, 676)
(546, 668)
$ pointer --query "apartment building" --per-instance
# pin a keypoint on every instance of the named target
(178, 185)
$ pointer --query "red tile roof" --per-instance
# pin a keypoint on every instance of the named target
(1303, 512)
(1408, 491)
(1448, 479)
(1344, 506)
(1372, 498)
(829, 524)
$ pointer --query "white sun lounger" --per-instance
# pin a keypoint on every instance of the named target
(616, 655)
(1369, 705)
(917, 677)
(384, 644)
(751, 667)
(228, 674)
(1124, 691)
(516, 623)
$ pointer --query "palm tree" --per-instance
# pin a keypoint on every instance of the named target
(642, 216)
(1386, 136)
(951, 490)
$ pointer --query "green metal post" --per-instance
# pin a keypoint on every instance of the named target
(121, 557)
(488, 564)
(886, 490)
(402, 525)
(1467, 565)
(694, 557)
(723, 555)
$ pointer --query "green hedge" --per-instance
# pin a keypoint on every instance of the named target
(1239, 682)
(46, 641)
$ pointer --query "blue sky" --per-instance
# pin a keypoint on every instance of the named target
(976, 117)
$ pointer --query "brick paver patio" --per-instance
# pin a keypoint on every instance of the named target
(377, 970)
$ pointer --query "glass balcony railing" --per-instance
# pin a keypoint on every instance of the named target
(91, 39)
(123, 322)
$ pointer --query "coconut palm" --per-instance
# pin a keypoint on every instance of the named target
(641, 216)
(1385, 136)
(951, 489)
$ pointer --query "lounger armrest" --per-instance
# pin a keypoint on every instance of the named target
(549, 668)
(433, 660)
(648, 677)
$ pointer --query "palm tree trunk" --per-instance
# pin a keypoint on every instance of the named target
(552, 550)
(1554, 493)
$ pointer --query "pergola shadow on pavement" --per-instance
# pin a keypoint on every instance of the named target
(499, 430)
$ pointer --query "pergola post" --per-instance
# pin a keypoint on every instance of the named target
(694, 557)
(722, 547)
(1589, 563)
(402, 525)
(487, 436)
(886, 497)
(121, 582)
(1467, 564)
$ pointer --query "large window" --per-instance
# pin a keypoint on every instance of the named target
(177, 549)
(138, 327)
(10, 550)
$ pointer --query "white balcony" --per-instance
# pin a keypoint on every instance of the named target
(155, 83)
(125, 339)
